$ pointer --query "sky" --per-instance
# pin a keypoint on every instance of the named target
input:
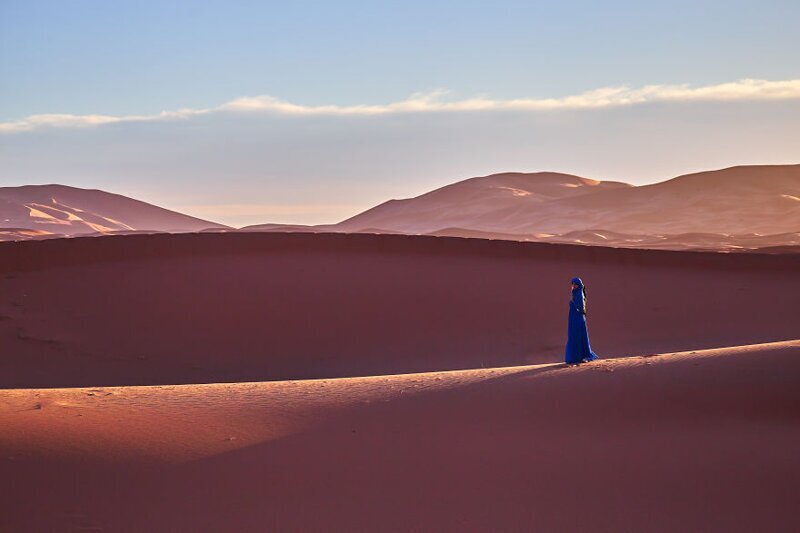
(309, 112)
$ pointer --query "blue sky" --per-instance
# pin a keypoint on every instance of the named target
(122, 59)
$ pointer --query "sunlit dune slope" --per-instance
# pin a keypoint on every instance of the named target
(700, 441)
(63, 210)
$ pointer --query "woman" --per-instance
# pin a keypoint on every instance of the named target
(578, 348)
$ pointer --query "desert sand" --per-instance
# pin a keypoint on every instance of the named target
(206, 308)
(328, 382)
(701, 440)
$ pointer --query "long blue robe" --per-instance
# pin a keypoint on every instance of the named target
(578, 347)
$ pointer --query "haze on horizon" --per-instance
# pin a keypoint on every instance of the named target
(248, 113)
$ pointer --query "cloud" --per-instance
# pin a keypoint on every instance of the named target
(435, 102)
(60, 120)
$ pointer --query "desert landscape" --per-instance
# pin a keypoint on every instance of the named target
(234, 381)
(403, 267)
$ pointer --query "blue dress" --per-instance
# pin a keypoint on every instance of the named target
(578, 348)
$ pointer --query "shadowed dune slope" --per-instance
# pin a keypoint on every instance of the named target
(198, 308)
(701, 441)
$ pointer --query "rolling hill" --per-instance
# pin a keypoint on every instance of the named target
(738, 208)
(735, 201)
(40, 211)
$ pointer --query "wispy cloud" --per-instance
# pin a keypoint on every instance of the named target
(60, 120)
(436, 102)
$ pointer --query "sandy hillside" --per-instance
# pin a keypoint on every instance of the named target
(763, 199)
(60, 210)
(168, 309)
(700, 441)
(461, 204)
(731, 208)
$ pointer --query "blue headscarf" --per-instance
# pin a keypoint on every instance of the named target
(581, 287)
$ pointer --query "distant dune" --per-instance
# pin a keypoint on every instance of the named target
(737, 200)
(286, 228)
(681, 241)
(192, 308)
(726, 209)
(58, 210)
(739, 208)
(462, 204)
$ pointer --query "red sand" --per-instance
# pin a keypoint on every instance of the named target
(200, 308)
(701, 441)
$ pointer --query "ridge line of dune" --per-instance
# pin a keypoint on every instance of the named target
(632, 360)
(23, 256)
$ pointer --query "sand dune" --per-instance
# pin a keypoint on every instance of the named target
(739, 208)
(394, 437)
(194, 308)
(59, 210)
(737, 200)
(700, 441)
(461, 204)
(682, 241)
(720, 209)
(286, 228)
